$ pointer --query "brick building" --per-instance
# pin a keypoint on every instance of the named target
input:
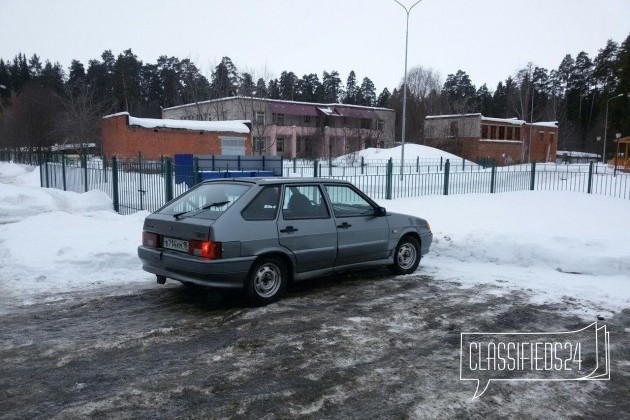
(506, 140)
(125, 136)
(298, 129)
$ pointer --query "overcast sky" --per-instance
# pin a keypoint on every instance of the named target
(489, 39)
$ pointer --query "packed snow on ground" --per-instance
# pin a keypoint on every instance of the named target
(557, 246)
(412, 151)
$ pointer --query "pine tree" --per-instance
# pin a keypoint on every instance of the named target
(331, 84)
(350, 96)
(224, 79)
(274, 89)
(77, 73)
(383, 99)
(261, 89)
(246, 87)
(287, 85)
(307, 88)
(483, 99)
(460, 92)
(605, 72)
(367, 93)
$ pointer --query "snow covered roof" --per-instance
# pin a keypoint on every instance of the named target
(328, 111)
(281, 101)
(432, 117)
(234, 126)
(511, 121)
(550, 124)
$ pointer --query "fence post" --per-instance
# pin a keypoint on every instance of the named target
(417, 163)
(533, 178)
(168, 179)
(447, 168)
(441, 158)
(493, 174)
(463, 164)
(362, 164)
(44, 178)
(63, 170)
(47, 176)
(85, 173)
(115, 184)
(105, 168)
(196, 169)
(294, 165)
(389, 179)
(315, 165)
(590, 178)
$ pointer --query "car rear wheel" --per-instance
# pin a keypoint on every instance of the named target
(406, 256)
(267, 281)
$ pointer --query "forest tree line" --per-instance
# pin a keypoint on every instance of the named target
(42, 104)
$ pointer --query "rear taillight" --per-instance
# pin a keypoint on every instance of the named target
(205, 249)
(149, 239)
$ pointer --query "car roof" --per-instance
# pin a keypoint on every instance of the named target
(279, 180)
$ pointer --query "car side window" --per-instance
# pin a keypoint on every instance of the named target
(264, 206)
(304, 202)
(346, 202)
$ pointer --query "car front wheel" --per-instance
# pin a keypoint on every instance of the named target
(406, 256)
(267, 281)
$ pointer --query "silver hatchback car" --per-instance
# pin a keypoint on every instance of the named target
(259, 234)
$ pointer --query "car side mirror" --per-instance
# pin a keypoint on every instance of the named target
(380, 212)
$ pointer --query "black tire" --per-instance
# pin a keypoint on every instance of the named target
(406, 256)
(267, 281)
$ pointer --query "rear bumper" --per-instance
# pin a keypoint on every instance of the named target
(228, 273)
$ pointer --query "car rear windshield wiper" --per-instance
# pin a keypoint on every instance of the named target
(206, 207)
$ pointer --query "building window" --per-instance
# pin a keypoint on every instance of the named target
(541, 136)
(366, 123)
(232, 146)
(278, 119)
(510, 133)
(454, 129)
(551, 137)
(517, 133)
(280, 145)
(502, 133)
(379, 125)
(484, 131)
(259, 117)
(259, 144)
(307, 119)
(493, 132)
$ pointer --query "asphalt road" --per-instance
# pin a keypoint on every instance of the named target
(365, 345)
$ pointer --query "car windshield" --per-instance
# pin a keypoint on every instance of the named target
(207, 201)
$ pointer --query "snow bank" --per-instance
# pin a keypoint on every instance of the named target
(557, 246)
(562, 245)
(412, 151)
(54, 242)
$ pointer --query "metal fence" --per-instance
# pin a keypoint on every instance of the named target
(140, 184)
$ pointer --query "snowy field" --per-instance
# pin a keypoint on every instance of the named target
(559, 246)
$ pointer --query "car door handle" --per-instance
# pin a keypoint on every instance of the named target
(344, 225)
(288, 229)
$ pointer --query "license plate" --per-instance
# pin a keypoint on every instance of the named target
(175, 244)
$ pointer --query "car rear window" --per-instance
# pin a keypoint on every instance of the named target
(207, 201)
(264, 206)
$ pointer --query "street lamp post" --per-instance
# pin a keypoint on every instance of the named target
(606, 122)
(404, 116)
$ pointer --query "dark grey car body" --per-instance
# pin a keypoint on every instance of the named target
(326, 242)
